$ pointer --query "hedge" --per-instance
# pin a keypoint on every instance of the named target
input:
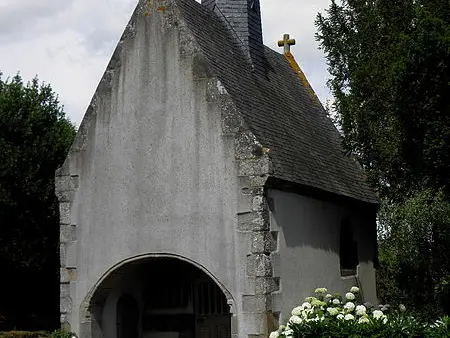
(37, 334)
(24, 334)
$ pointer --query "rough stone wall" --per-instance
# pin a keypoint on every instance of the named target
(109, 170)
(66, 186)
(257, 242)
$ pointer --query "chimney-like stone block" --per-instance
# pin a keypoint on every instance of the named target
(244, 18)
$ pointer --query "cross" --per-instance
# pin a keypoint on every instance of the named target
(286, 43)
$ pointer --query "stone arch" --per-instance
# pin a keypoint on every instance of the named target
(90, 325)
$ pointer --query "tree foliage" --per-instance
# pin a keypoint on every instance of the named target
(389, 66)
(388, 61)
(35, 136)
(414, 249)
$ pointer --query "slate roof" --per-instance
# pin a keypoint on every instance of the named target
(305, 147)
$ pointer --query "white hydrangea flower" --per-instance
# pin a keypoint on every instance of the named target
(349, 306)
(307, 312)
(309, 299)
(328, 296)
(315, 319)
(321, 290)
(297, 311)
(363, 320)
(288, 333)
(340, 316)
(350, 296)
(354, 289)
(402, 308)
(349, 316)
(333, 311)
(336, 301)
(295, 320)
(377, 314)
(274, 334)
(360, 310)
(438, 323)
(306, 305)
(318, 303)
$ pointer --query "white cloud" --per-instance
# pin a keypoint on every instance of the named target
(68, 43)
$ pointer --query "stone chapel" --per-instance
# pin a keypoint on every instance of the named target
(207, 192)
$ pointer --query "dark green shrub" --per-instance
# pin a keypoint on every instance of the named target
(62, 334)
(24, 334)
(37, 334)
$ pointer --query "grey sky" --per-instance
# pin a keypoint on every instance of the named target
(68, 43)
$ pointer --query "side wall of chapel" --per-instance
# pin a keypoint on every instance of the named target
(308, 251)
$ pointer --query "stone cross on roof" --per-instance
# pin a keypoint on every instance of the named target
(286, 43)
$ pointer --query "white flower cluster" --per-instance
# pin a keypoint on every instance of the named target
(327, 306)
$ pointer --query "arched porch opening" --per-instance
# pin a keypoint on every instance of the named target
(158, 297)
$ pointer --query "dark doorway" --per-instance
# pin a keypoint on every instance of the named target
(176, 300)
(127, 317)
(211, 311)
(182, 301)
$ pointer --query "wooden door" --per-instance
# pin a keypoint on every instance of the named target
(127, 317)
(211, 311)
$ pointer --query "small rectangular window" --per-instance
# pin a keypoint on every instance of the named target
(348, 250)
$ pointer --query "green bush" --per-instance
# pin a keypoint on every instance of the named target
(38, 334)
(62, 334)
(333, 316)
(24, 334)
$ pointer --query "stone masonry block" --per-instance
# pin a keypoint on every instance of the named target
(67, 275)
(276, 264)
(67, 233)
(71, 255)
(231, 120)
(251, 265)
(252, 221)
(245, 145)
(255, 304)
(277, 302)
(258, 181)
(65, 212)
(258, 203)
(74, 182)
(62, 183)
(234, 325)
(65, 195)
(244, 202)
(64, 290)
(266, 285)
(253, 167)
(65, 305)
(263, 266)
(262, 242)
(248, 286)
(62, 255)
(256, 323)
(273, 241)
